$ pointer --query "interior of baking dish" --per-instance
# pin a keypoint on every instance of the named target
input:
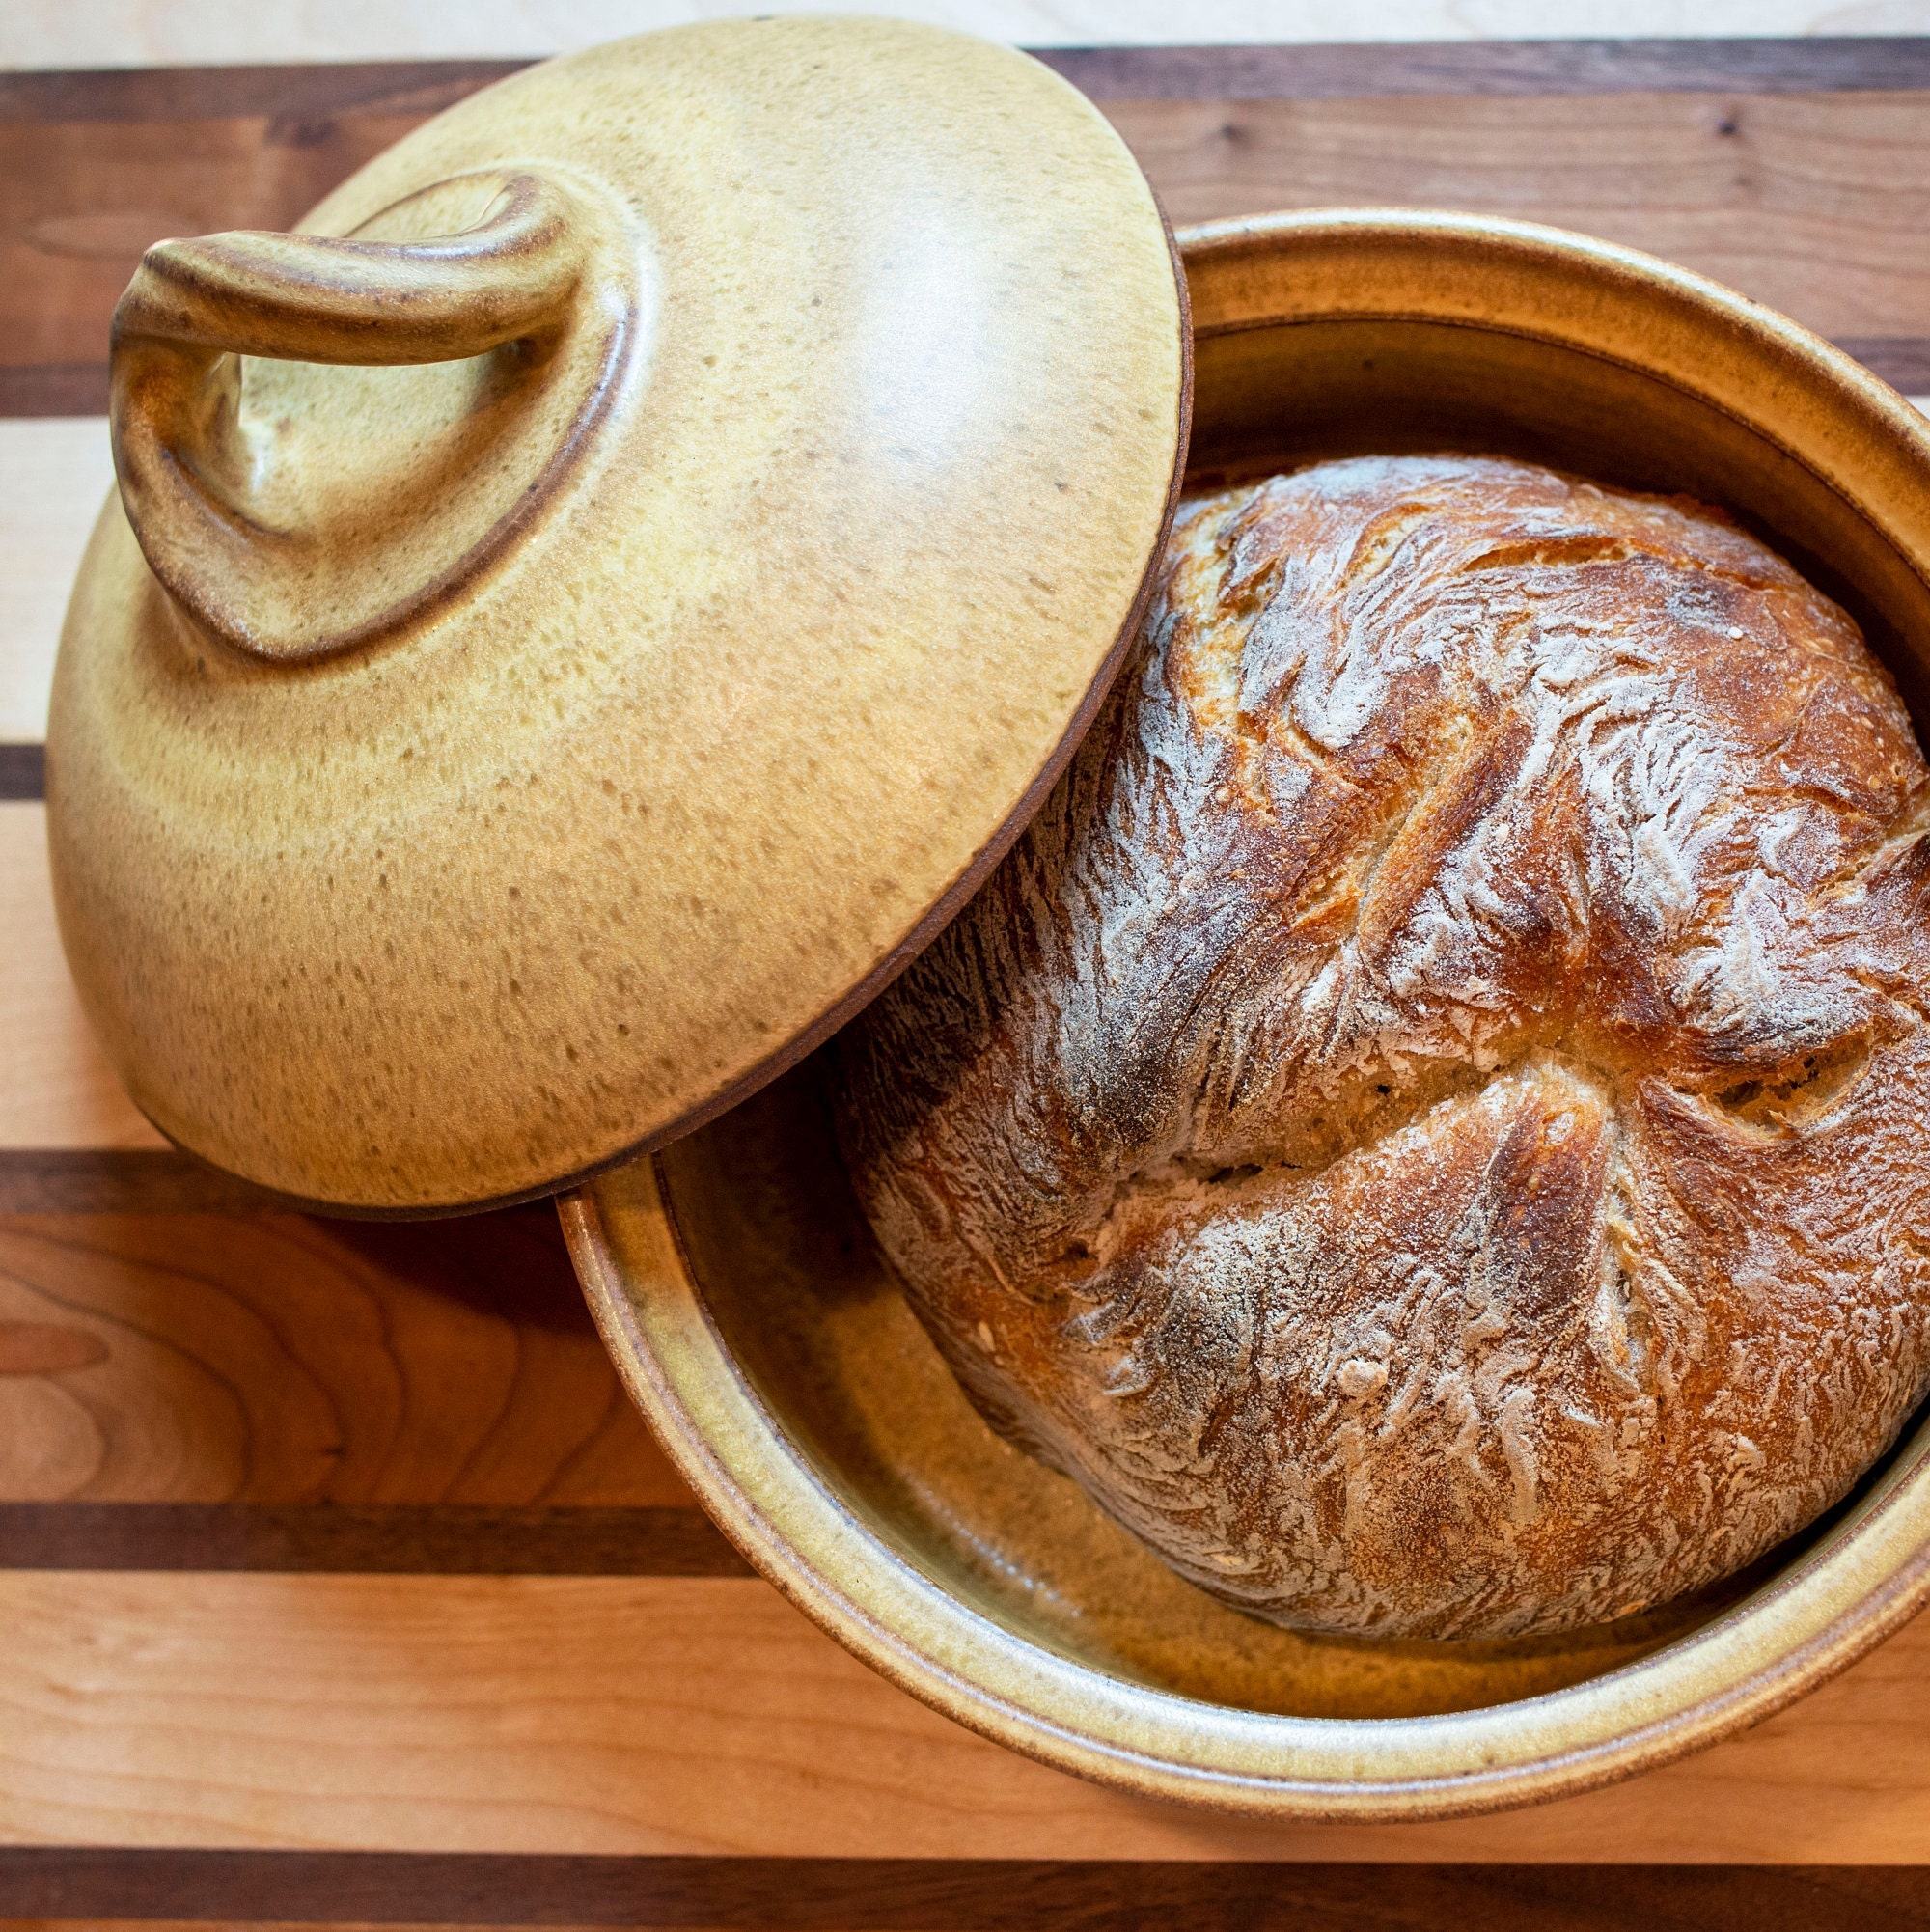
(782, 1260)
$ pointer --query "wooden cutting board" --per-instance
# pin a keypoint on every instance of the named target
(338, 1583)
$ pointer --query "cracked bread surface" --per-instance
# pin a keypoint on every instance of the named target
(1428, 1125)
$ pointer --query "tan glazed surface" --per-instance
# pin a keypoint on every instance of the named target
(732, 1274)
(463, 773)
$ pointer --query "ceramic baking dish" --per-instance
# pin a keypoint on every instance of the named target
(735, 1282)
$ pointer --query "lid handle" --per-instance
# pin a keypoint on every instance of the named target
(200, 495)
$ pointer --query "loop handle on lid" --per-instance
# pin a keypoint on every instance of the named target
(210, 502)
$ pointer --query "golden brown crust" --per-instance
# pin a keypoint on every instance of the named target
(1428, 1126)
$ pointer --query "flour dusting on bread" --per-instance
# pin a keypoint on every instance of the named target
(1428, 1126)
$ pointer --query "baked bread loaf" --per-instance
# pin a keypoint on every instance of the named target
(1431, 1125)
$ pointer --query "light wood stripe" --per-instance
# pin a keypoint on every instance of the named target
(265, 1362)
(54, 476)
(59, 1090)
(647, 1716)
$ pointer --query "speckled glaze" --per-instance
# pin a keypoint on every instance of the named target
(732, 1276)
(463, 773)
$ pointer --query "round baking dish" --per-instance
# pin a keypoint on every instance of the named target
(734, 1280)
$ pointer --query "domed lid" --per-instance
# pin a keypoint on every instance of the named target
(465, 774)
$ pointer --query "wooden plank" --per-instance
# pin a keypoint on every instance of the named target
(943, 1896)
(282, 1360)
(1814, 64)
(640, 1716)
(302, 94)
(59, 1090)
(32, 389)
(1813, 202)
(24, 767)
(122, 1180)
(363, 1539)
(54, 476)
(80, 200)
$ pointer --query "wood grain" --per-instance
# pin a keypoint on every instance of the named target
(1813, 63)
(294, 93)
(80, 200)
(1814, 202)
(251, 1371)
(278, 1361)
(941, 1894)
(547, 1714)
(59, 1090)
(365, 1539)
(54, 476)
(122, 1180)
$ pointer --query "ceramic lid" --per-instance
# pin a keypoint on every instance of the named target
(465, 774)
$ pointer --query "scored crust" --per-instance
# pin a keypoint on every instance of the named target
(1428, 1125)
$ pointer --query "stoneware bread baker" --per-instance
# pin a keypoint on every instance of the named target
(584, 613)
(736, 1280)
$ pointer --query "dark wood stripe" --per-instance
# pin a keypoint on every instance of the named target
(1808, 65)
(23, 772)
(122, 1180)
(53, 388)
(1902, 360)
(293, 93)
(944, 1894)
(366, 1539)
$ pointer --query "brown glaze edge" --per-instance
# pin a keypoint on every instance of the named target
(927, 928)
(1851, 1634)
